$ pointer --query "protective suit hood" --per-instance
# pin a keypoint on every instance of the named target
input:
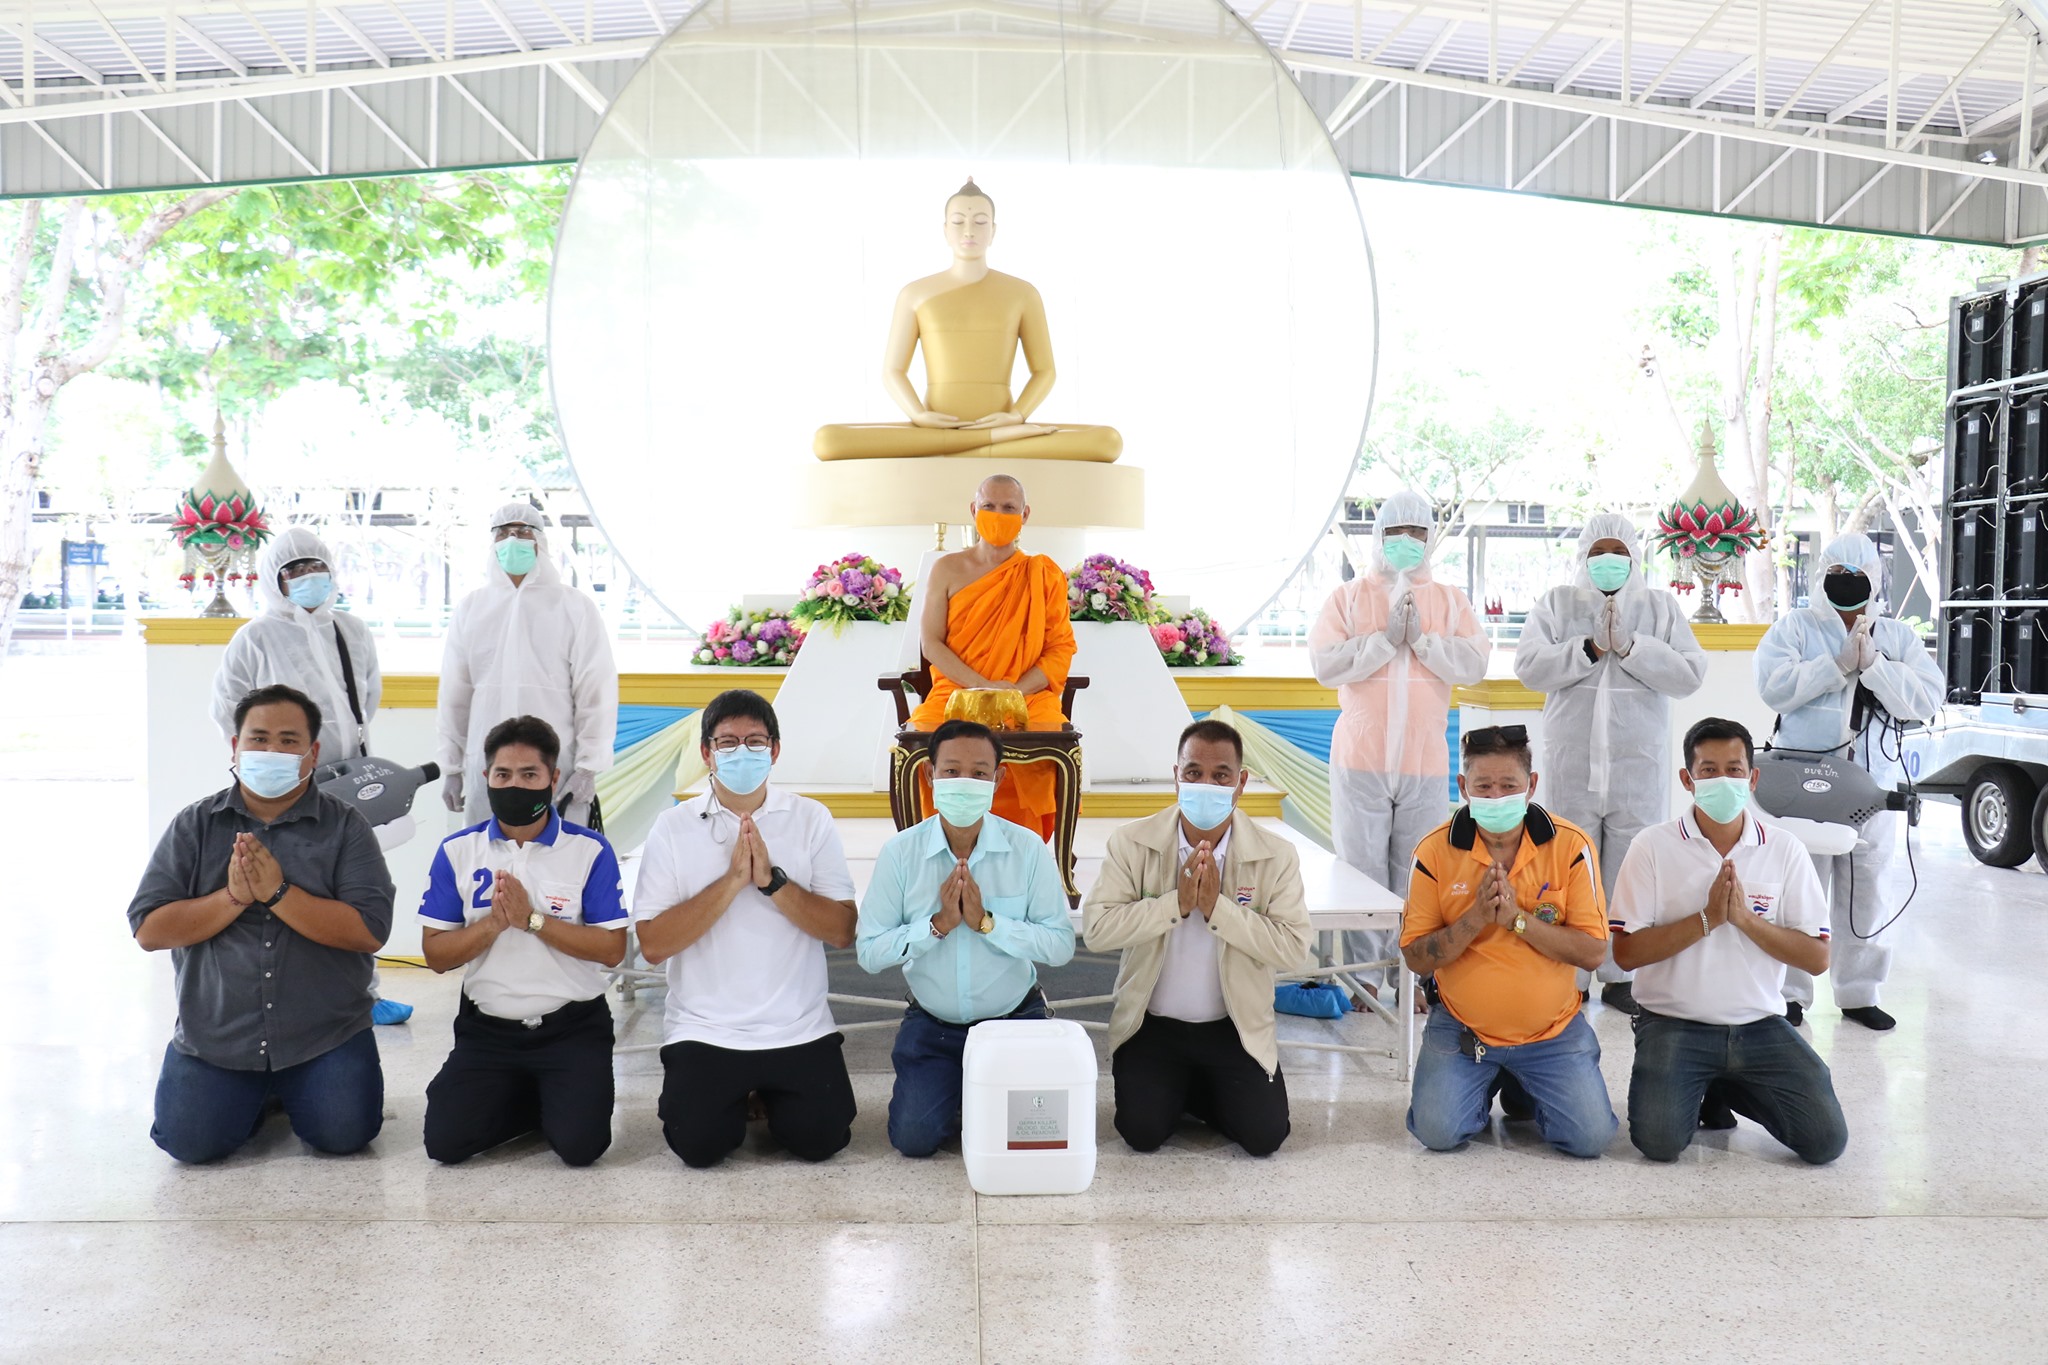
(544, 568)
(1406, 508)
(1610, 526)
(288, 546)
(1853, 551)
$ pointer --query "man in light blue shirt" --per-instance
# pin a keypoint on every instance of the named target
(964, 903)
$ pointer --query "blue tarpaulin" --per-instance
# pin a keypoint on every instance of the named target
(642, 722)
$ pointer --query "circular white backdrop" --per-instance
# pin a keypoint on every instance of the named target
(768, 181)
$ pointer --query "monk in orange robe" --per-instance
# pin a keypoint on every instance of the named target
(997, 617)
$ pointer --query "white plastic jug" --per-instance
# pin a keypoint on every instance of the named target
(1027, 1107)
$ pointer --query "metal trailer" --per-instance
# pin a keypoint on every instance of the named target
(1988, 747)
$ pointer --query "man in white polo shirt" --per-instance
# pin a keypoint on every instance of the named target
(1708, 911)
(530, 904)
(739, 892)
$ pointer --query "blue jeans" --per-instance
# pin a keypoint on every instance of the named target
(1765, 1071)
(335, 1102)
(1451, 1100)
(924, 1108)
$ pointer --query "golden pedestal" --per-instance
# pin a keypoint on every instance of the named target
(938, 489)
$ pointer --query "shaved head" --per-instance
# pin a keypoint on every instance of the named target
(1001, 483)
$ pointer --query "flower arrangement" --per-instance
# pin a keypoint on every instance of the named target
(206, 520)
(853, 587)
(1193, 641)
(1690, 532)
(1104, 588)
(751, 639)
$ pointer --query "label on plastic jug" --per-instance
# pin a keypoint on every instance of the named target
(1038, 1120)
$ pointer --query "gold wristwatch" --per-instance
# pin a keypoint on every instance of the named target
(988, 922)
(1521, 923)
(534, 921)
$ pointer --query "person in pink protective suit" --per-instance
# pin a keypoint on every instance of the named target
(1393, 643)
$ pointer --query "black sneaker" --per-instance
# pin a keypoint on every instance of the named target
(1871, 1017)
(1515, 1104)
(1715, 1114)
(1795, 1013)
(1620, 995)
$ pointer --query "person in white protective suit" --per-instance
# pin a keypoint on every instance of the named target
(526, 644)
(301, 641)
(1609, 652)
(1393, 642)
(1840, 677)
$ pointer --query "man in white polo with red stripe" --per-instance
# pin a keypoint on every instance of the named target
(1708, 911)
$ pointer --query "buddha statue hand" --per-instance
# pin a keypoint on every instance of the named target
(938, 420)
(994, 419)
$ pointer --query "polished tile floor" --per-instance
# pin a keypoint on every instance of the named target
(1926, 1240)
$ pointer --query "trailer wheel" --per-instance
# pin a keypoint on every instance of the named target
(1999, 815)
(2040, 829)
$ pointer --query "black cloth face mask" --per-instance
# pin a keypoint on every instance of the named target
(517, 806)
(1846, 589)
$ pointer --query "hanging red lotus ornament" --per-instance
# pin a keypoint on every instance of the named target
(217, 523)
(1708, 530)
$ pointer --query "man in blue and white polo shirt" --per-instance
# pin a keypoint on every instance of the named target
(1708, 911)
(531, 905)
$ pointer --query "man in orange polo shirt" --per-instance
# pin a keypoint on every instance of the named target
(1504, 908)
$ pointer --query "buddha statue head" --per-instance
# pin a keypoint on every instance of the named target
(970, 222)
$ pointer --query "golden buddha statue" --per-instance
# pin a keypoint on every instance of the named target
(970, 320)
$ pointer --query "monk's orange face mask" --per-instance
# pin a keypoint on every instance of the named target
(998, 528)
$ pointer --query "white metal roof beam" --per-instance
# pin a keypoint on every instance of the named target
(26, 36)
(274, 45)
(504, 21)
(1722, 82)
(1820, 67)
(1643, 96)
(227, 59)
(1955, 84)
(1582, 65)
(621, 49)
(133, 57)
(358, 37)
(1542, 41)
(1675, 118)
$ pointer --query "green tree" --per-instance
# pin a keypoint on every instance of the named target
(242, 294)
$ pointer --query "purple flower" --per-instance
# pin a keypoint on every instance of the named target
(856, 582)
(742, 652)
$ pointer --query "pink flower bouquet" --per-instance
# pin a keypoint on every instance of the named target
(1193, 641)
(853, 587)
(751, 639)
(1104, 588)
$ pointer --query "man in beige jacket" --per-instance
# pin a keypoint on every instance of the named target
(1206, 907)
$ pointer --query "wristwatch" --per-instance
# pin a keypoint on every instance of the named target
(534, 920)
(988, 922)
(1521, 923)
(279, 895)
(777, 879)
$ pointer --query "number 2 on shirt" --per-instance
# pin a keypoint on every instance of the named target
(482, 899)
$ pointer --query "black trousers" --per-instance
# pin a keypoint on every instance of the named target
(805, 1088)
(1169, 1068)
(504, 1079)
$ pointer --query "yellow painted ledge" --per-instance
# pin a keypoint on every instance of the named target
(1094, 805)
(1498, 694)
(1201, 693)
(191, 630)
(1732, 637)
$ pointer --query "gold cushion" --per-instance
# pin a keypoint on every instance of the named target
(999, 708)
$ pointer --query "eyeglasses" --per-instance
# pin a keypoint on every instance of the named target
(301, 567)
(516, 531)
(1493, 738)
(753, 744)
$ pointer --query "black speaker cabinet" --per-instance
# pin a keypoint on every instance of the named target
(1983, 341)
(2026, 653)
(2030, 331)
(1973, 555)
(2026, 459)
(2026, 577)
(1975, 470)
(1971, 633)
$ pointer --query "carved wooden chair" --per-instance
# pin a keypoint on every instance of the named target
(911, 757)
